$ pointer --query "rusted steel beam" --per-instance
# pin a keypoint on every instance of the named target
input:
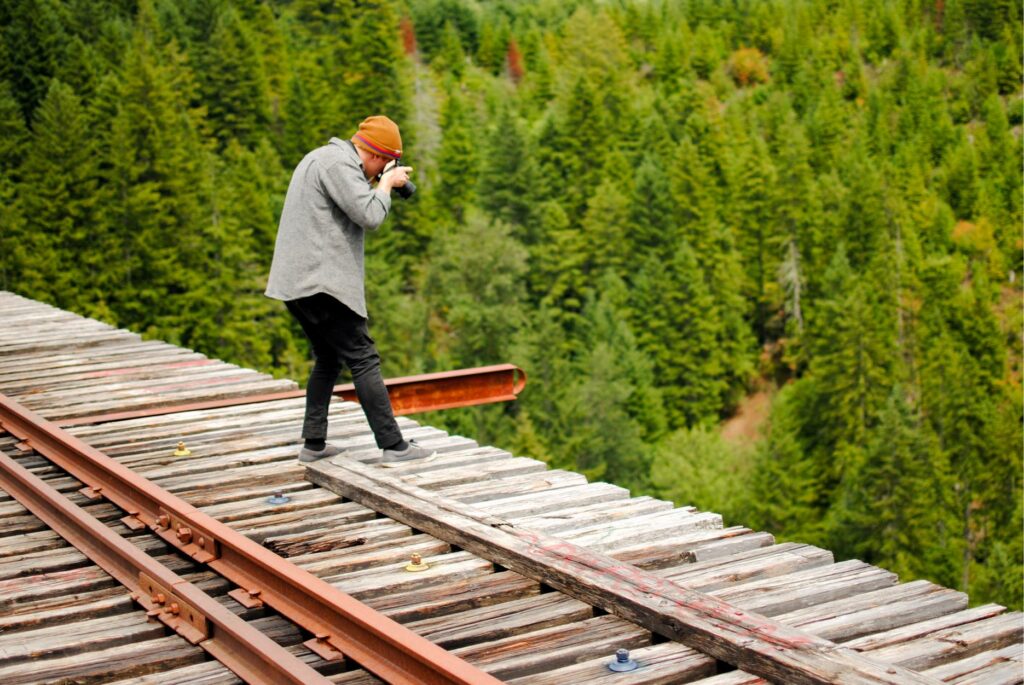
(340, 623)
(409, 394)
(177, 603)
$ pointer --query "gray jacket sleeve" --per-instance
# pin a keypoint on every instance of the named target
(347, 187)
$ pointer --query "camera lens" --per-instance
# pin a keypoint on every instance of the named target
(406, 191)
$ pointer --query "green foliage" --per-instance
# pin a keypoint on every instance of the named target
(696, 467)
(661, 207)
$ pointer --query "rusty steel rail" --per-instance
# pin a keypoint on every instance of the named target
(341, 624)
(175, 602)
(409, 394)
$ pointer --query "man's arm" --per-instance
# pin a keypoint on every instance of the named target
(348, 188)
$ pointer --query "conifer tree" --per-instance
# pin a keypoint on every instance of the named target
(895, 505)
(229, 316)
(851, 362)
(506, 174)
(34, 39)
(475, 287)
(751, 182)
(786, 493)
(678, 326)
(373, 81)
(614, 390)
(450, 57)
(233, 85)
(58, 189)
(13, 139)
(458, 157)
(153, 183)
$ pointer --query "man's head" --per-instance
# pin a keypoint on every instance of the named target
(378, 141)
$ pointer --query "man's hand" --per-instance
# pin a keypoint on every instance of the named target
(395, 177)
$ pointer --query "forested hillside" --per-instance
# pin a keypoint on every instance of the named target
(656, 208)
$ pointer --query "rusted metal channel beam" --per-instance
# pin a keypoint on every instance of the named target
(340, 623)
(409, 394)
(177, 603)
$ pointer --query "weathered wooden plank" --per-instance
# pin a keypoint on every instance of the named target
(668, 663)
(511, 486)
(752, 642)
(70, 608)
(643, 528)
(957, 643)
(602, 512)
(63, 558)
(461, 594)
(252, 509)
(874, 612)
(921, 629)
(355, 530)
(772, 596)
(117, 662)
(500, 621)
(392, 578)
(66, 391)
(75, 638)
(563, 499)
(690, 547)
(997, 667)
(525, 655)
(373, 556)
(748, 566)
(542, 650)
(207, 673)
(497, 467)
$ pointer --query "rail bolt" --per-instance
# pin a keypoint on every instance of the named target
(278, 498)
(159, 598)
(416, 563)
(182, 451)
(184, 535)
(174, 608)
(163, 521)
(622, 662)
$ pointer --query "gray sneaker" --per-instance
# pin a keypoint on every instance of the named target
(413, 452)
(308, 455)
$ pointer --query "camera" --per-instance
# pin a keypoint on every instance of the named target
(405, 191)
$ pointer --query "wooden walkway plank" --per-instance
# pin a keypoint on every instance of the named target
(952, 644)
(922, 629)
(997, 667)
(798, 590)
(462, 594)
(393, 578)
(689, 547)
(123, 661)
(749, 641)
(668, 663)
(82, 636)
(874, 612)
(500, 621)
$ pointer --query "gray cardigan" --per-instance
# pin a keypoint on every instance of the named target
(319, 247)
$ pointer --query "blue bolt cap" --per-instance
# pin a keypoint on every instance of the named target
(622, 662)
(278, 498)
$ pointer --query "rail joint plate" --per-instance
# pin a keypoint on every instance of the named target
(163, 604)
(196, 542)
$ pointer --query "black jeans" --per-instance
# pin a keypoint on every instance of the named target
(340, 336)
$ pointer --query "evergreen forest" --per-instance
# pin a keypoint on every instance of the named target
(763, 257)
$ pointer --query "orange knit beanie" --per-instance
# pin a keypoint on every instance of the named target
(379, 135)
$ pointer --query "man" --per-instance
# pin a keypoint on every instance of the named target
(318, 271)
